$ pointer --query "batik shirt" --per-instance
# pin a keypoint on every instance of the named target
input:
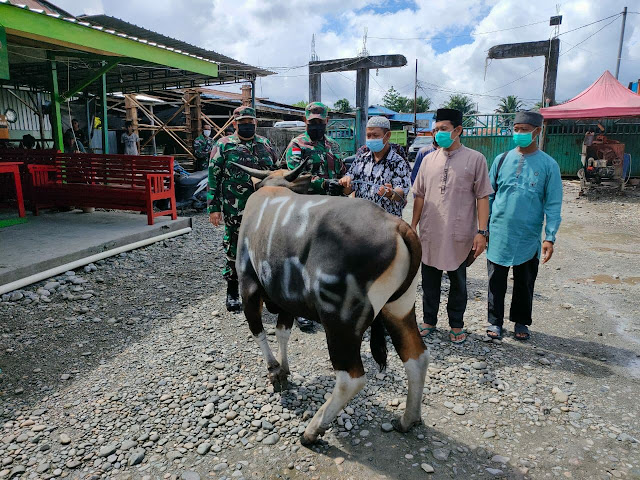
(325, 160)
(230, 187)
(392, 169)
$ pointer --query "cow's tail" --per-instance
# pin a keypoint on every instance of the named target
(378, 342)
(412, 242)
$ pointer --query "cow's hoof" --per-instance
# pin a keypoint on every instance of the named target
(279, 379)
(307, 440)
(399, 427)
(280, 385)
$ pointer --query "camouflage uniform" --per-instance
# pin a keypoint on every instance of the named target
(230, 187)
(325, 159)
(202, 149)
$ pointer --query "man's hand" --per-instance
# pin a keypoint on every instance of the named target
(547, 251)
(334, 188)
(216, 218)
(386, 190)
(345, 181)
(479, 244)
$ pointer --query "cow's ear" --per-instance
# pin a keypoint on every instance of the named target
(256, 182)
(301, 184)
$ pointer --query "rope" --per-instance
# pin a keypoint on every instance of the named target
(377, 185)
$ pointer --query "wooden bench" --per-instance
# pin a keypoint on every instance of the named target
(123, 182)
(26, 158)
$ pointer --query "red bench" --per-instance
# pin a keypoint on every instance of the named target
(25, 157)
(123, 182)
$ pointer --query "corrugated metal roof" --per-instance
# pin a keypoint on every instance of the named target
(225, 63)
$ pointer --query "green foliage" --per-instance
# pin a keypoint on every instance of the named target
(301, 104)
(398, 103)
(508, 104)
(465, 104)
(343, 106)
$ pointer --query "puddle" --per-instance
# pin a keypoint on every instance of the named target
(609, 280)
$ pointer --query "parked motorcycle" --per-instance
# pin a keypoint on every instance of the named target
(191, 188)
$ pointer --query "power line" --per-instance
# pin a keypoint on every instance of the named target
(445, 37)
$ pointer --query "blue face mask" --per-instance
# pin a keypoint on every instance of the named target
(523, 140)
(444, 139)
(375, 144)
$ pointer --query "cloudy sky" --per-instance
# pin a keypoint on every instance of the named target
(449, 39)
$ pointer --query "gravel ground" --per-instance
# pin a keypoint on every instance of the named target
(131, 368)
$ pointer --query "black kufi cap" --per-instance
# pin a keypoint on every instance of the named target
(451, 114)
(531, 118)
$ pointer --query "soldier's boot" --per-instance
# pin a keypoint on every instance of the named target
(304, 324)
(233, 298)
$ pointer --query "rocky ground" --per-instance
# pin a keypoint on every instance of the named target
(131, 368)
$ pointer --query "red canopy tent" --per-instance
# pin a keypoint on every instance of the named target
(607, 97)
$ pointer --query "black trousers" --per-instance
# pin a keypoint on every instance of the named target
(524, 279)
(457, 302)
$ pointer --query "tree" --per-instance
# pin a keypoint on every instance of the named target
(508, 105)
(392, 100)
(424, 104)
(465, 105)
(398, 103)
(343, 106)
(301, 104)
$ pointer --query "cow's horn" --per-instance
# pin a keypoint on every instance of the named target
(261, 174)
(293, 174)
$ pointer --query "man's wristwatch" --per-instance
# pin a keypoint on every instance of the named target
(485, 233)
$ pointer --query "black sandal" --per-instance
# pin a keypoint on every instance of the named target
(521, 330)
(497, 330)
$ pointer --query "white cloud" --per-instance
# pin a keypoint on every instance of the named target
(278, 33)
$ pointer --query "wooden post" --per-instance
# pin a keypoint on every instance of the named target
(246, 95)
(315, 87)
(362, 104)
(132, 110)
(55, 117)
(105, 121)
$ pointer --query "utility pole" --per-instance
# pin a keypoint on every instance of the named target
(624, 21)
(415, 102)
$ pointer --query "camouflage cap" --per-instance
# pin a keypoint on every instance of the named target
(316, 110)
(244, 112)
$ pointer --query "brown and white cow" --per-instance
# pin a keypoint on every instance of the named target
(343, 262)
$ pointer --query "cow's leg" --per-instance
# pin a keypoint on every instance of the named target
(283, 332)
(252, 305)
(400, 320)
(344, 350)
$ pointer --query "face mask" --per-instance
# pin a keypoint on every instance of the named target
(375, 144)
(206, 133)
(444, 139)
(523, 140)
(316, 131)
(246, 130)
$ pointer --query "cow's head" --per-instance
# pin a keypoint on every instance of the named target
(290, 179)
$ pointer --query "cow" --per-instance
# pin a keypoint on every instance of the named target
(343, 262)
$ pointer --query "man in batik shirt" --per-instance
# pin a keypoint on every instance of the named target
(378, 172)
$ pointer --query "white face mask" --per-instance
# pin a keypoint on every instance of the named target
(206, 132)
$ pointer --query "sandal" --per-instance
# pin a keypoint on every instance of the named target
(496, 330)
(456, 335)
(521, 330)
(425, 331)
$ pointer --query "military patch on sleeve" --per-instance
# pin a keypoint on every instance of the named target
(296, 151)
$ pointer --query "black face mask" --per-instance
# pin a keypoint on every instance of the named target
(316, 131)
(246, 130)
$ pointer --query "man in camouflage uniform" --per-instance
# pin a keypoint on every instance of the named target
(325, 161)
(230, 187)
(202, 147)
